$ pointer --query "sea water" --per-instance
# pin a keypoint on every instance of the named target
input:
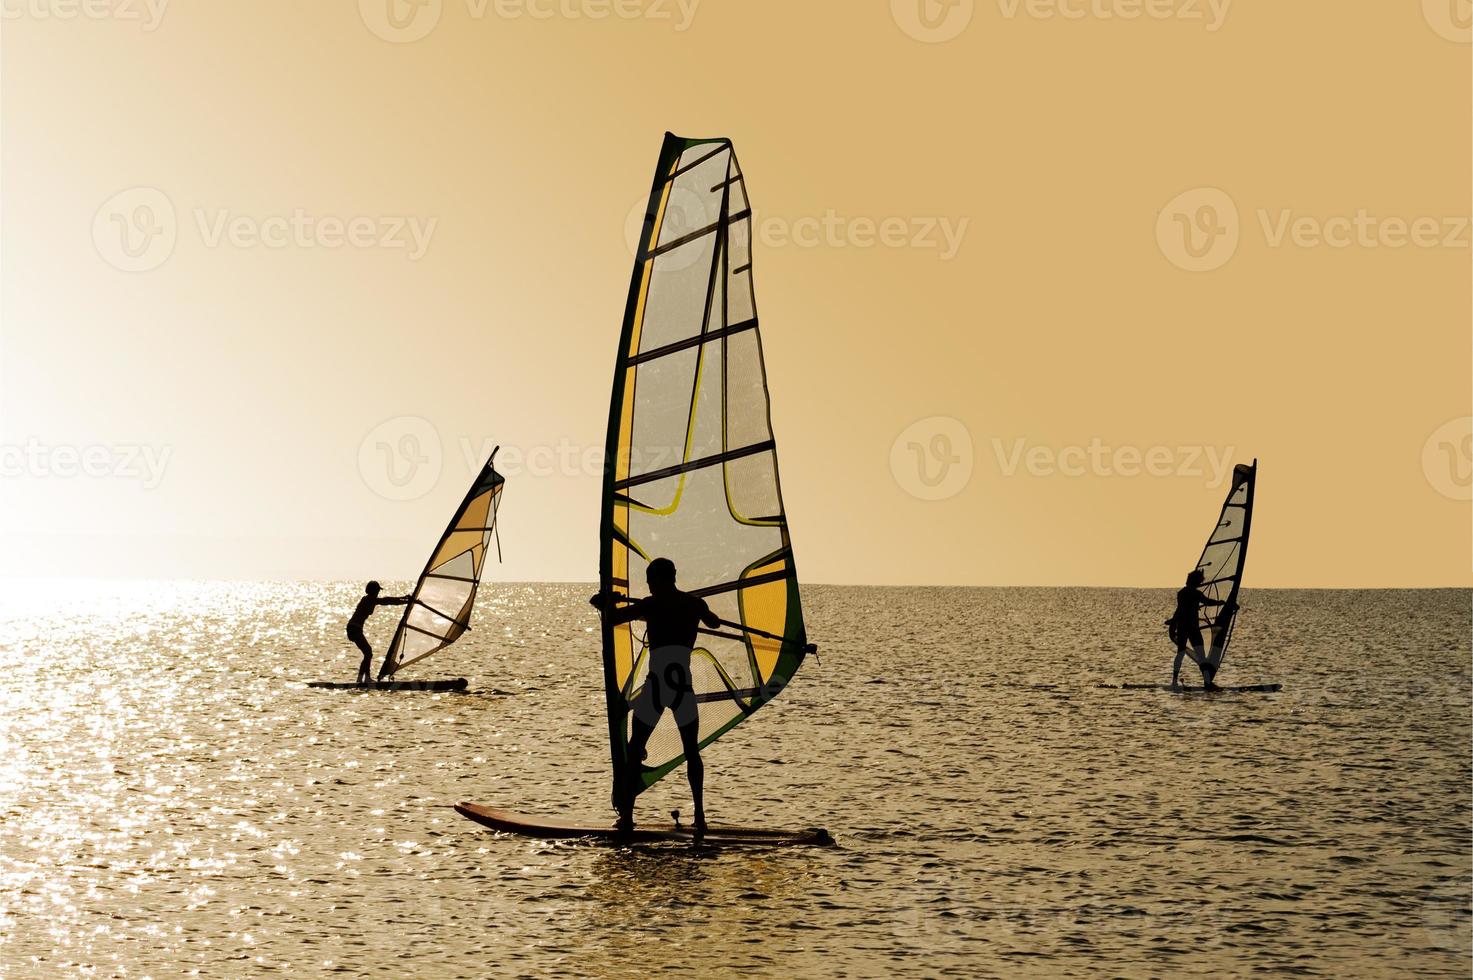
(174, 799)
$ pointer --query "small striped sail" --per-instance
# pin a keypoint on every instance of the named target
(1222, 563)
(439, 609)
(692, 473)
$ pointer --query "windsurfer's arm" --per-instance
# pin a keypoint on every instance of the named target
(395, 600)
(711, 620)
(1209, 602)
(608, 604)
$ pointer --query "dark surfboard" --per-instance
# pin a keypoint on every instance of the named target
(1184, 689)
(457, 684)
(550, 828)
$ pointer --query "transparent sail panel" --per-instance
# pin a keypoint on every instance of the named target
(439, 609)
(695, 474)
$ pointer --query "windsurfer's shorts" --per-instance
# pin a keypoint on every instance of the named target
(668, 688)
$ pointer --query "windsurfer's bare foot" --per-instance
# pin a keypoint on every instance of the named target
(624, 825)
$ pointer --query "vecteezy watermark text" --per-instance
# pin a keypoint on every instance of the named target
(1199, 230)
(147, 13)
(38, 460)
(941, 234)
(136, 230)
(1099, 459)
(407, 21)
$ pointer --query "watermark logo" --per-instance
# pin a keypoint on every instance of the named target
(1099, 459)
(686, 211)
(143, 464)
(680, 13)
(148, 14)
(1450, 19)
(136, 230)
(401, 458)
(1199, 229)
(1362, 229)
(302, 230)
(932, 21)
(1212, 13)
(1447, 459)
(933, 458)
(401, 21)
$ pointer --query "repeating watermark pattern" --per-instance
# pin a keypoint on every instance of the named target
(831, 230)
(938, 21)
(1450, 19)
(932, 21)
(404, 458)
(1098, 459)
(401, 458)
(932, 459)
(1198, 230)
(1447, 459)
(407, 21)
(302, 230)
(1211, 14)
(144, 464)
(1447, 922)
(147, 14)
(401, 21)
(1361, 229)
(137, 230)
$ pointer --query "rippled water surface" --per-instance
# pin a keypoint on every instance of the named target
(174, 799)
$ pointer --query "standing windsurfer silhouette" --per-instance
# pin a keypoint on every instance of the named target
(673, 617)
(1183, 629)
(361, 612)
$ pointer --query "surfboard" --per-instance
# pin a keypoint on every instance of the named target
(1184, 689)
(550, 828)
(457, 684)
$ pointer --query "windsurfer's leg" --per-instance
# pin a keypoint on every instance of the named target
(639, 736)
(695, 770)
(1199, 655)
(1181, 652)
(361, 642)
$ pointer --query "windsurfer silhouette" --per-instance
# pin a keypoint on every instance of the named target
(1183, 629)
(361, 612)
(673, 617)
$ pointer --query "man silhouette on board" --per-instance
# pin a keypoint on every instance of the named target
(1183, 629)
(672, 617)
(361, 612)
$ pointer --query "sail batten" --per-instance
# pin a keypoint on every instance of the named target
(450, 579)
(690, 426)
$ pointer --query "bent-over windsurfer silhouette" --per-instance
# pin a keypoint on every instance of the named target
(1183, 629)
(361, 612)
(672, 617)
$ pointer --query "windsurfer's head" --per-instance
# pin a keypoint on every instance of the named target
(1195, 577)
(372, 588)
(660, 575)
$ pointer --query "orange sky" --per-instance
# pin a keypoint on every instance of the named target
(1048, 262)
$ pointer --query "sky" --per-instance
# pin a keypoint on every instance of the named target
(1032, 276)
